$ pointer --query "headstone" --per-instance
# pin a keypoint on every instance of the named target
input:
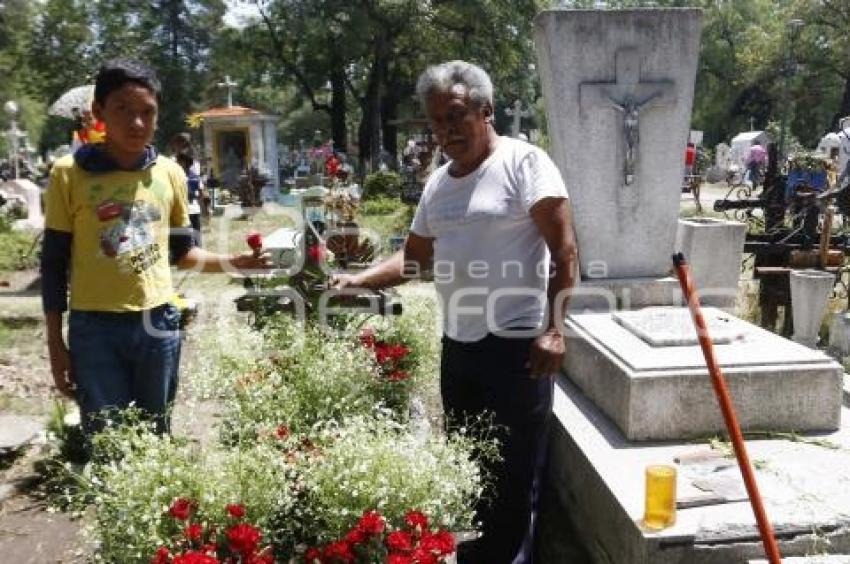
(645, 371)
(618, 86)
(723, 156)
(17, 431)
(31, 194)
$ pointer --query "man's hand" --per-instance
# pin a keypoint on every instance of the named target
(250, 261)
(60, 366)
(547, 354)
(342, 281)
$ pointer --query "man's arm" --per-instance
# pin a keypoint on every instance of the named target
(404, 265)
(553, 217)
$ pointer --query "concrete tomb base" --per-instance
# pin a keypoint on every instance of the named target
(599, 479)
(646, 371)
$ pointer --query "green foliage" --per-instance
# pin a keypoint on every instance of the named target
(18, 249)
(381, 205)
(381, 183)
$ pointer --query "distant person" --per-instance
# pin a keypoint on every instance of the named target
(195, 194)
(690, 159)
(755, 161)
(117, 218)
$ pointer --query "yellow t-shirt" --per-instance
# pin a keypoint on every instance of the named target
(120, 224)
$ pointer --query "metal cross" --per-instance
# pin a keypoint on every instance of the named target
(627, 94)
(517, 113)
(230, 85)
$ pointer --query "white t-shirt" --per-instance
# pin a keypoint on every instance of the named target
(491, 264)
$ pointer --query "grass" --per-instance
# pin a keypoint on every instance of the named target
(18, 250)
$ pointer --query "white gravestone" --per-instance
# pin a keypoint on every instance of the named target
(618, 86)
(723, 157)
(31, 194)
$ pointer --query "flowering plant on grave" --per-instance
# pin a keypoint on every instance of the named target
(238, 542)
(374, 461)
(373, 540)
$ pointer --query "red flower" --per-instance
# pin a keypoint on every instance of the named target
(162, 556)
(316, 253)
(235, 510)
(313, 556)
(254, 240)
(367, 338)
(339, 552)
(395, 558)
(356, 536)
(398, 376)
(417, 521)
(372, 523)
(441, 543)
(243, 538)
(399, 541)
(181, 508)
(193, 532)
(210, 548)
(282, 432)
(194, 557)
(422, 556)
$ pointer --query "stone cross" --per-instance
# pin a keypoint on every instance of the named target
(230, 85)
(629, 96)
(517, 113)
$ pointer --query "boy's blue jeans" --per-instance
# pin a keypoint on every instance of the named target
(119, 358)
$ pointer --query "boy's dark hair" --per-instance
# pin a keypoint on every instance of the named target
(115, 73)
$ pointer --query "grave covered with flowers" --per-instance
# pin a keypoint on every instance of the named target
(316, 457)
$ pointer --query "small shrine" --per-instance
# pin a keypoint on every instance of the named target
(237, 138)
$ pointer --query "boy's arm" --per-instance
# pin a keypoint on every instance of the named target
(196, 258)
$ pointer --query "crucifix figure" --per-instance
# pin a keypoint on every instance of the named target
(517, 113)
(628, 95)
(230, 85)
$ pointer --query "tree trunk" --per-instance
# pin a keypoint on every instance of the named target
(338, 109)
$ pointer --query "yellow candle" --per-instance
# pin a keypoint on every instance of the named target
(660, 507)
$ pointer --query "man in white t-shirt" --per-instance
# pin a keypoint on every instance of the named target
(494, 226)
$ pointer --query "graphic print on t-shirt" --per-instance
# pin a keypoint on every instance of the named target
(128, 235)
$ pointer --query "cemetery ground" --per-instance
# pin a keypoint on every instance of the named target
(29, 531)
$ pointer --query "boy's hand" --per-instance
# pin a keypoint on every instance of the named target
(251, 261)
(60, 366)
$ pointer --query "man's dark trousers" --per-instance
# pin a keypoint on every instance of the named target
(492, 376)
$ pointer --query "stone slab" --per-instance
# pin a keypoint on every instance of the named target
(17, 431)
(618, 86)
(665, 393)
(674, 327)
(609, 294)
(598, 475)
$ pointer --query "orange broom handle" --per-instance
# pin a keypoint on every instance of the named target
(771, 548)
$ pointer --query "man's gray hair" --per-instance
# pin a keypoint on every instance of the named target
(443, 77)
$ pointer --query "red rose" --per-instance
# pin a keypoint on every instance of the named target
(181, 508)
(162, 556)
(422, 556)
(398, 376)
(398, 352)
(395, 558)
(194, 557)
(313, 556)
(339, 552)
(193, 532)
(356, 536)
(441, 543)
(282, 432)
(399, 541)
(382, 352)
(372, 523)
(243, 538)
(254, 240)
(235, 510)
(417, 521)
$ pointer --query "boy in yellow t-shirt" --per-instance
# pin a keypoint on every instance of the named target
(116, 219)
